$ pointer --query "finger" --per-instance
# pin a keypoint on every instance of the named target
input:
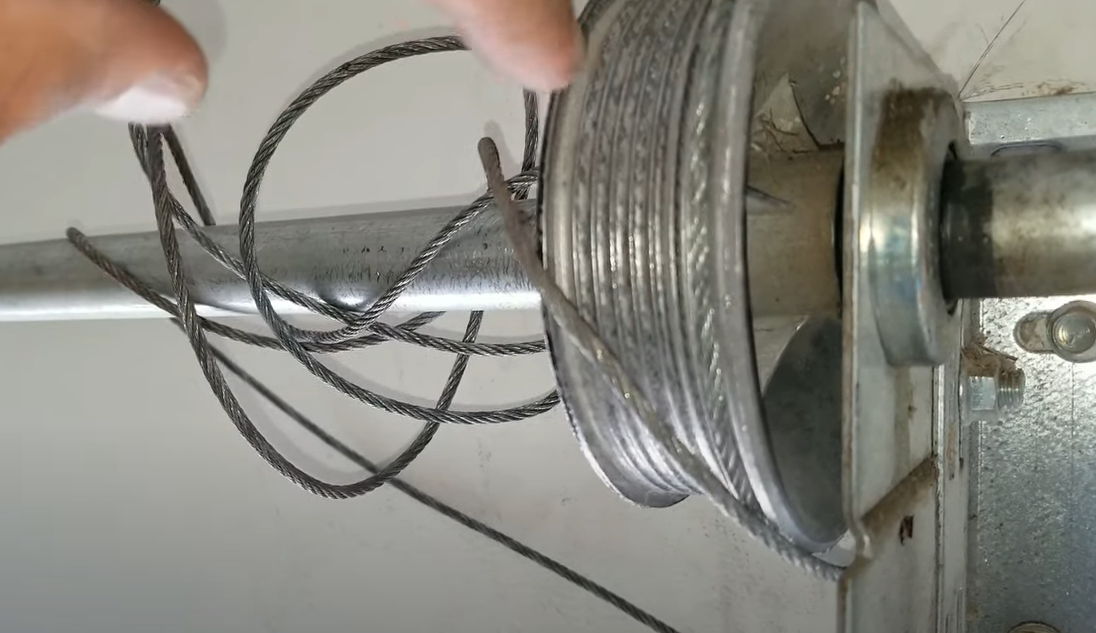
(126, 59)
(534, 41)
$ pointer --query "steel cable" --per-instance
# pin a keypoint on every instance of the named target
(148, 144)
(360, 330)
(570, 575)
(635, 189)
(724, 484)
(702, 475)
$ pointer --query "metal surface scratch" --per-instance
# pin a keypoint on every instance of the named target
(989, 48)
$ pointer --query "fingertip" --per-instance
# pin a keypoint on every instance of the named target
(125, 59)
(154, 100)
(156, 74)
(544, 64)
(536, 42)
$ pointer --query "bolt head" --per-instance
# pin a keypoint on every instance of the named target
(1074, 332)
(982, 394)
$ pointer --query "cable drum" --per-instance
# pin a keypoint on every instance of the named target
(643, 233)
(361, 329)
(642, 275)
(644, 283)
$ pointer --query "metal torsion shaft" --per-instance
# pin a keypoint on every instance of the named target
(1020, 226)
(347, 261)
(1011, 227)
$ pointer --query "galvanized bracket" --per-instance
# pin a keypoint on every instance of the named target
(904, 501)
(1033, 472)
(1055, 123)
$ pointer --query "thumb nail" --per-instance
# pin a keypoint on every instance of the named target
(157, 99)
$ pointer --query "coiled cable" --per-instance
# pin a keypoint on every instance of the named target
(636, 186)
(148, 145)
(682, 465)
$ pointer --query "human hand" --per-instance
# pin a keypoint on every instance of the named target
(129, 60)
(536, 42)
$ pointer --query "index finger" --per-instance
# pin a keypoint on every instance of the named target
(537, 42)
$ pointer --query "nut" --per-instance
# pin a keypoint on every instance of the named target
(982, 393)
(993, 385)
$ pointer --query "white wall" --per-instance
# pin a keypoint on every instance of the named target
(129, 502)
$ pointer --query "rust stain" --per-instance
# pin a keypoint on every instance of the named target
(1052, 89)
(899, 152)
(1021, 90)
(895, 507)
(905, 529)
(900, 500)
(979, 359)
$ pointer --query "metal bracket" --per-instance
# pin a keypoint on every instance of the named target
(892, 495)
(1029, 556)
(1057, 123)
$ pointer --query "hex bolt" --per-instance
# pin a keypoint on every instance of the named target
(994, 385)
(1069, 332)
(996, 394)
(1073, 332)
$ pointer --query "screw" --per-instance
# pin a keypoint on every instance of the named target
(1073, 332)
(994, 385)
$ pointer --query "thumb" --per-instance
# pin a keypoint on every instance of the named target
(536, 42)
(125, 59)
